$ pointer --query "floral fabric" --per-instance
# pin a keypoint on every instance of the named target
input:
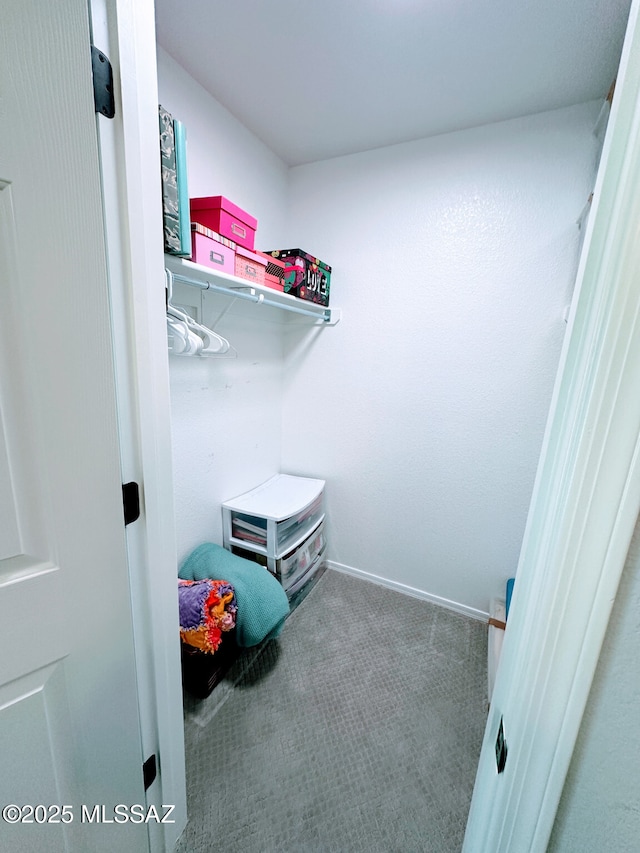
(207, 610)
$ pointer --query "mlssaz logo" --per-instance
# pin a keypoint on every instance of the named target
(121, 813)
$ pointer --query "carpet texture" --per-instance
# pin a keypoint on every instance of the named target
(357, 731)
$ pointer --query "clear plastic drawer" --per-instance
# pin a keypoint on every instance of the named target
(296, 563)
(292, 528)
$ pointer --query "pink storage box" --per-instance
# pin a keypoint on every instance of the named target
(274, 273)
(202, 229)
(250, 266)
(273, 282)
(219, 214)
(209, 252)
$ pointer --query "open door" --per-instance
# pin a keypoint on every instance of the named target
(69, 722)
(583, 512)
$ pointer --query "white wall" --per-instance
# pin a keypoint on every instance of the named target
(224, 158)
(454, 258)
(225, 412)
(599, 805)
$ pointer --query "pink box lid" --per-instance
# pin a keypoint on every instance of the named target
(252, 256)
(213, 235)
(219, 201)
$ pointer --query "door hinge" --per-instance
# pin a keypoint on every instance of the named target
(501, 748)
(130, 502)
(149, 771)
(102, 83)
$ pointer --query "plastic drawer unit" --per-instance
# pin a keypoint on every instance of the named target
(280, 525)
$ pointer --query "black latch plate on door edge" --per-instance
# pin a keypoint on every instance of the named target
(103, 96)
(130, 502)
(501, 748)
(149, 771)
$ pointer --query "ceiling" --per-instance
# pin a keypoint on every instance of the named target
(323, 78)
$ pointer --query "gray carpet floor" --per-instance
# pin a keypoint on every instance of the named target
(357, 731)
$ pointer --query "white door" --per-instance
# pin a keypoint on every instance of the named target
(69, 722)
(584, 509)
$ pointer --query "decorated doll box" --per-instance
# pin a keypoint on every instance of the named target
(305, 276)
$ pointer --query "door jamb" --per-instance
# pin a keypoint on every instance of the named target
(130, 158)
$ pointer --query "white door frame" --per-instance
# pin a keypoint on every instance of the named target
(130, 162)
(584, 508)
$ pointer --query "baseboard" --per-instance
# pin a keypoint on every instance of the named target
(480, 615)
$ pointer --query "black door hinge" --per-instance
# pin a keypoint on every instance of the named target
(501, 748)
(130, 502)
(102, 83)
(149, 771)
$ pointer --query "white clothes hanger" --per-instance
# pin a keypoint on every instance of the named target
(210, 342)
(181, 340)
(186, 336)
(176, 336)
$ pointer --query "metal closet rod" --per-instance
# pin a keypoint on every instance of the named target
(325, 316)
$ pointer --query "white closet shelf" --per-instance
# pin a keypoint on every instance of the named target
(196, 275)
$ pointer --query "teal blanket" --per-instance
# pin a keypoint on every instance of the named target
(262, 602)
